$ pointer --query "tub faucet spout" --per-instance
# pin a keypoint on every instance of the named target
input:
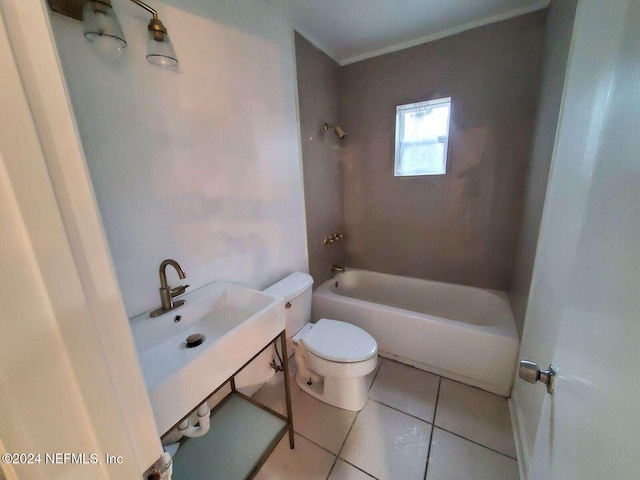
(166, 292)
(337, 269)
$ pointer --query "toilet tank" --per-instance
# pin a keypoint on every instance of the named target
(296, 291)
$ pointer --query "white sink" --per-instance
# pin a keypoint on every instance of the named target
(236, 323)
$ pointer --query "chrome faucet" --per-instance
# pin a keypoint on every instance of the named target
(166, 292)
(337, 269)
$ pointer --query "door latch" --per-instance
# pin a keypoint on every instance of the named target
(161, 468)
(530, 372)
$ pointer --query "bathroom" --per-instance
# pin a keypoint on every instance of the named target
(224, 164)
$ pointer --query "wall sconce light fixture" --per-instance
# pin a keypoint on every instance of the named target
(101, 25)
(159, 49)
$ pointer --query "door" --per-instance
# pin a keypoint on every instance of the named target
(70, 382)
(584, 308)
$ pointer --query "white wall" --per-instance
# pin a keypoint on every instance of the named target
(199, 164)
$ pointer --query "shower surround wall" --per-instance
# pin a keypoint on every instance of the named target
(318, 99)
(559, 27)
(460, 227)
(202, 163)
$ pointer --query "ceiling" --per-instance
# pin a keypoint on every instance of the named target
(352, 30)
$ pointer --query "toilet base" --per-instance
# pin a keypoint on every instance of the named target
(346, 393)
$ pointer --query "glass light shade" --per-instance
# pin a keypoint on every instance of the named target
(101, 24)
(160, 50)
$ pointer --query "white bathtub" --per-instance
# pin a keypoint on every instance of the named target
(463, 333)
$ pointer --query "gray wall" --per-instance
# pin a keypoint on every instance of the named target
(318, 97)
(460, 227)
(560, 18)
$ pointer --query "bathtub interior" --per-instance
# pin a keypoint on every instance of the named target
(470, 305)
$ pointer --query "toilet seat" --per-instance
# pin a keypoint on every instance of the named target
(340, 342)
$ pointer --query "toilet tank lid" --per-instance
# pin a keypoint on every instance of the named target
(291, 286)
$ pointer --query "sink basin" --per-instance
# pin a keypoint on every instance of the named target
(235, 322)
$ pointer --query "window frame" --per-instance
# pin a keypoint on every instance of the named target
(444, 139)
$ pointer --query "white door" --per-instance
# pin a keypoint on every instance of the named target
(70, 382)
(584, 309)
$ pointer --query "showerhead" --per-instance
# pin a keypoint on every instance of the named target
(340, 132)
(338, 129)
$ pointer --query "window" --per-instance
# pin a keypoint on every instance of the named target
(422, 137)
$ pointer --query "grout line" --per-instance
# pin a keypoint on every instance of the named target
(433, 426)
(477, 388)
(332, 467)
(410, 366)
(333, 454)
(401, 411)
(379, 367)
(358, 468)
(463, 437)
(435, 409)
(476, 443)
(317, 444)
(352, 424)
(443, 377)
(348, 433)
(420, 369)
(342, 446)
(295, 396)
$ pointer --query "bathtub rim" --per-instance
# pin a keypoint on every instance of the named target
(504, 328)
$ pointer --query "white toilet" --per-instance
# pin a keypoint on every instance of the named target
(333, 357)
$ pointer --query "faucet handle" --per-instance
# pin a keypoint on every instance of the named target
(179, 290)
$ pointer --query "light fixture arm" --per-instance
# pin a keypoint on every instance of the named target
(146, 7)
(155, 25)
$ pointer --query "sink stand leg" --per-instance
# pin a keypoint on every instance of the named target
(287, 386)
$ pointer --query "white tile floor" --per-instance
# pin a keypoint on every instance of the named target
(411, 416)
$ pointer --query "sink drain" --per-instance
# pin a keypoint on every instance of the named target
(194, 340)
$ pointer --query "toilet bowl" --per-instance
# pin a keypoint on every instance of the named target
(333, 360)
(333, 357)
